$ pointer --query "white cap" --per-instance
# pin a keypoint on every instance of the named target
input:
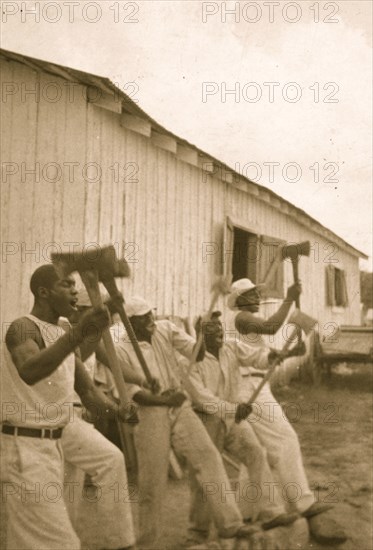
(136, 306)
(240, 287)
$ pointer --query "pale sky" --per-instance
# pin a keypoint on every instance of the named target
(171, 49)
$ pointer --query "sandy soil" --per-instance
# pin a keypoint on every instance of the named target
(334, 425)
(335, 432)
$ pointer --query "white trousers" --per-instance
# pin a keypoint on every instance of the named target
(278, 437)
(86, 448)
(155, 434)
(241, 442)
(32, 495)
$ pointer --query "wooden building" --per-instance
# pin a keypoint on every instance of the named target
(82, 164)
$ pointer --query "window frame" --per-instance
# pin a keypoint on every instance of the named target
(275, 292)
(337, 303)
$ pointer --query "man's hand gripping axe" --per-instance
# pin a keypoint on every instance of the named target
(301, 322)
(104, 266)
(91, 265)
(221, 286)
(290, 252)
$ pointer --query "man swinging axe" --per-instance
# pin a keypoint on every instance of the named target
(41, 370)
(168, 421)
(272, 428)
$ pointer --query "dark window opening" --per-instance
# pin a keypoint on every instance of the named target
(245, 255)
(252, 257)
(336, 287)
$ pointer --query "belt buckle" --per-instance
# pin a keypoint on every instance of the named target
(46, 433)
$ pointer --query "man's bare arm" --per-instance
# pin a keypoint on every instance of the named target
(35, 362)
(247, 323)
(32, 360)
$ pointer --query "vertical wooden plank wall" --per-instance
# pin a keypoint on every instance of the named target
(159, 216)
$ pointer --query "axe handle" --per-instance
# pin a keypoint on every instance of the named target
(96, 300)
(132, 336)
(127, 445)
(295, 265)
(90, 281)
(111, 286)
(198, 345)
(271, 369)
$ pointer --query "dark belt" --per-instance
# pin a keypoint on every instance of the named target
(258, 374)
(32, 432)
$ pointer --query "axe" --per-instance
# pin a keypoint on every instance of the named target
(107, 266)
(301, 322)
(92, 266)
(221, 286)
(109, 283)
(292, 252)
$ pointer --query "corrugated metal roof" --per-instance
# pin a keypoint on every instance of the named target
(129, 106)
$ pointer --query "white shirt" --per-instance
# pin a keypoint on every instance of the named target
(47, 403)
(215, 384)
(160, 355)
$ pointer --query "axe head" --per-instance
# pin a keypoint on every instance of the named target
(293, 251)
(303, 321)
(222, 285)
(103, 260)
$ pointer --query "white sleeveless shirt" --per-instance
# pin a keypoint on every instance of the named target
(46, 404)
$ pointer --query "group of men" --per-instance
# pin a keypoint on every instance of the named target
(196, 409)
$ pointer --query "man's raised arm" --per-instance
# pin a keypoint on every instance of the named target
(34, 361)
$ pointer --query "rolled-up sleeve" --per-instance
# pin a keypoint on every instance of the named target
(181, 341)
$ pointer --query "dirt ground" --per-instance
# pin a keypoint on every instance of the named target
(335, 433)
(334, 425)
